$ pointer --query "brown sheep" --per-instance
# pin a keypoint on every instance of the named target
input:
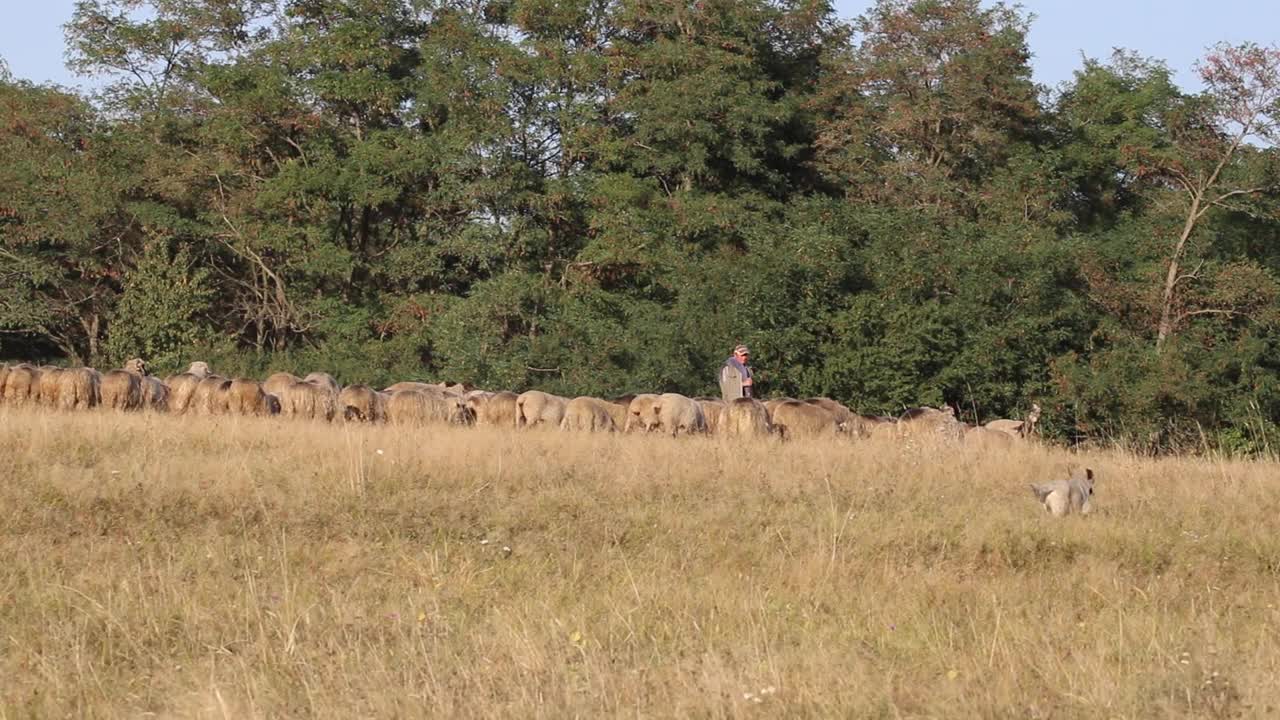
(745, 417)
(985, 438)
(4, 375)
(48, 385)
(677, 412)
(409, 386)
(422, 407)
(200, 369)
(927, 422)
(120, 390)
(496, 409)
(773, 403)
(22, 385)
(712, 409)
(587, 414)
(277, 382)
(1018, 428)
(642, 413)
(844, 416)
(793, 418)
(78, 388)
(155, 394)
(619, 410)
(211, 396)
(245, 397)
(137, 366)
(308, 401)
(538, 408)
(181, 388)
(362, 403)
(324, 379)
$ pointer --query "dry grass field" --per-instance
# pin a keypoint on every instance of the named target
(153, 566)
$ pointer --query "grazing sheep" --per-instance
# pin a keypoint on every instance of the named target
(22, 385)
(137, 366)
(181, 388)
(409, 385)
(496, 409)
(47, 387)
(772, 403)
(642, 413)
(211, 396)
(1018, 428)
(324, 379)
(245, 397)
(712, 409)
(984, 438)
(78, 388)
(423, 407)
(851, 421)
(537, 408)
(120, 390)
(361, 403)
(155, 394)
(619, 410)
(745, 417)
(587, 414)
(1061, 497)
(276, 383)
(793, 419)
(927, 422)
(677, 412)
(309, 401)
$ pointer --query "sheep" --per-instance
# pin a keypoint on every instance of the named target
(47, 387)
(277, 382)
(211, 396)
(536, 407)
(745, 417)
(793, 418)
(311, 400)
(423, 407)
(362, 403)
(712, 410)
(677, 412)
(78, 388)
(497, 409)
(245, 397)
(587, 414)
(120, 390)
(155, 394)
(642, 413)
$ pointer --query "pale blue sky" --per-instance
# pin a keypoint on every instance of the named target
(1176, 31)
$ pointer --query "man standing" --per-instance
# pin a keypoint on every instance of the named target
(735, 375)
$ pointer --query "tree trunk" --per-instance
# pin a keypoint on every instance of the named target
(1171, 277)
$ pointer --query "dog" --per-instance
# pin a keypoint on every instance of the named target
(1062, 497)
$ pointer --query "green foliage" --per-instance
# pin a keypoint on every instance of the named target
(605, 196)
(162, 312)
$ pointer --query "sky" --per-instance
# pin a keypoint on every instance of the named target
(1176, 31)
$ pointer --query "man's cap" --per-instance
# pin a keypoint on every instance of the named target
(741, 350)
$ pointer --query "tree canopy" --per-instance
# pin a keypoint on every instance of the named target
(605, 196)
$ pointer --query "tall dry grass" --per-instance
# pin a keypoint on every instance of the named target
(224, 567)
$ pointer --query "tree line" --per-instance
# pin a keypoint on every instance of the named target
(604, 196)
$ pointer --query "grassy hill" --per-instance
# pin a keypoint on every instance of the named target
(228, 567)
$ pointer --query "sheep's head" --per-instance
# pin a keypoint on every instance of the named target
(137, 366)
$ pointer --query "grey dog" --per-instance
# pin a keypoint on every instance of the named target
(1060, 497)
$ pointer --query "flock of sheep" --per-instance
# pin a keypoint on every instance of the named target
(198, 391)
(319, 397)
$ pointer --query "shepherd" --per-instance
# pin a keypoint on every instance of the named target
(735, 375)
